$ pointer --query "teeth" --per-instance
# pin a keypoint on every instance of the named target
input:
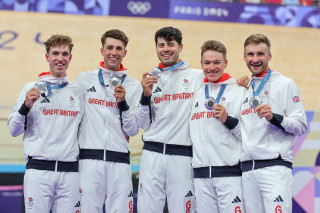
(256, 65)
(59, 65)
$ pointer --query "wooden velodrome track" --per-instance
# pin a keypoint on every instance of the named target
(296, 53)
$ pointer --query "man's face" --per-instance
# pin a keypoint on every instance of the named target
(213, 65)
(257, 57)
(113, 51)
(59, 58)
(168, 52)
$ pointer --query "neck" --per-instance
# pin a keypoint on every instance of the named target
(58, 76)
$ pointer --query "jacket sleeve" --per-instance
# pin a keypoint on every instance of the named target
(144, 112)
(233, 123)
(17, 118)
(293, 120)
(129, 114)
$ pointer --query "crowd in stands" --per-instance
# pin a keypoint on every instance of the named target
(285, 2)
(281, 2)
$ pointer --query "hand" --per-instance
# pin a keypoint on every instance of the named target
(220, 112)
(147, 83)
(32, 96)
(119, 93)
(264, 110)
(128, 138)
(244, 81)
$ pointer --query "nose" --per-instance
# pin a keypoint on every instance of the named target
(211, 66)
(113, 51)
(255, 58)
(166, 48)
(60, 57)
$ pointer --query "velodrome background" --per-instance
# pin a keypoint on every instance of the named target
(295, 51)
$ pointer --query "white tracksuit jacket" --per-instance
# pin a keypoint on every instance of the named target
(262, 139)
(213, 143)
(52, 126)
(171, 102)
(101, 124)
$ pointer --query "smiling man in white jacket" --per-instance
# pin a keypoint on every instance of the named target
(216, 150)
(49, 120)
(272, 114)
(165, 164)
(111, 99)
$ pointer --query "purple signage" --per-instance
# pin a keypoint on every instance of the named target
(210, 11)
(11, 199)
(143, 8)
(293, 16)
(97, 7)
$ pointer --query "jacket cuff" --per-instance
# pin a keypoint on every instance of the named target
(123, 106)
(145, 100)
(231, 122)
(276, 120)
(24, 110)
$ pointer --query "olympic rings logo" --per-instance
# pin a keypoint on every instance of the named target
(139, 7)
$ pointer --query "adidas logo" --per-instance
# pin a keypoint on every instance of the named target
(189, 194)
(92, 89)
(196, 105)
(236, 200)
(78, 204)
(245, 101)
(157, 90)
(278, 199)
(130, 194)
(45, 100)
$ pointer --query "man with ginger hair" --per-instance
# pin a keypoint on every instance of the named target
(216, 146)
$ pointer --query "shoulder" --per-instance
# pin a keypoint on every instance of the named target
(281, 80)
(200, 91)
(28, 86)
(87, 74)
(131, 82)
(197, 72)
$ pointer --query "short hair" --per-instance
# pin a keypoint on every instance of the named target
(215, 46)
(256, 39)
(169, 34)
(58, 40)
(116, 34)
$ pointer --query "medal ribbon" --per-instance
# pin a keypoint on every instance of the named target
(263, 82)
(180, 63)
(102, 81)
(49, 87)
(222, 88)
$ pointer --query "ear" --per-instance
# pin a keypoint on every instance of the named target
(101, 51)
(70, 57)
(47, 56)
(125, 53)
(226, 63)
(181, 47)
(270, 55)
(244, 55)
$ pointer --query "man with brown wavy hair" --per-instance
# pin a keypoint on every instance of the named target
(48, 113)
